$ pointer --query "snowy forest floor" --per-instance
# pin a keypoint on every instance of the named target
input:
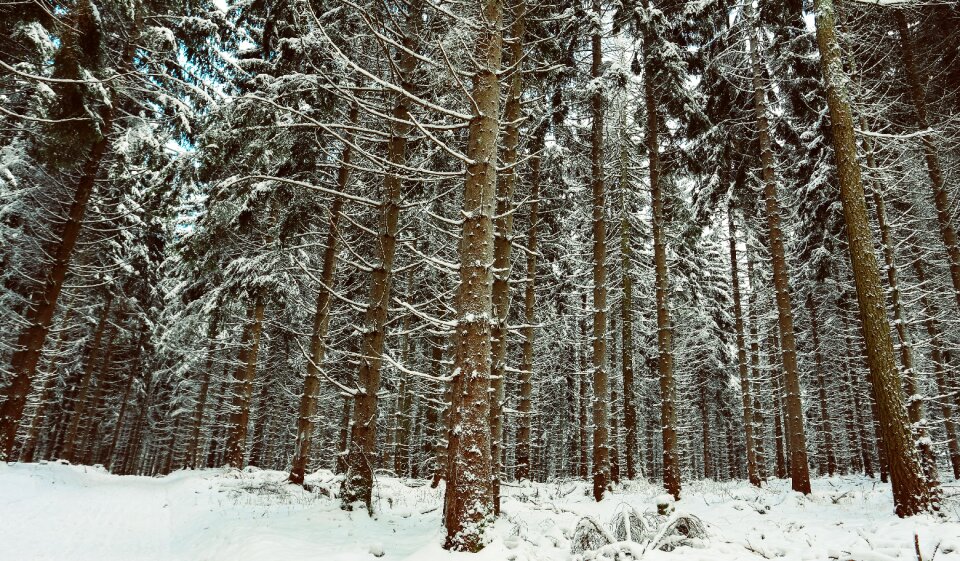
(75, 513)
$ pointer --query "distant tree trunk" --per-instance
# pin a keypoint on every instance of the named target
(468, 500)
(778, 424)
(202, 394)
(503, 242)
(71, 439)
(941, 199)
(758, 420)
(601, 459)
(243, 380)
(582, 398)
(344, 440)
(43, 304)
(404, 416)
(436, 406)
(707, 438)
(28, 451)
(799, 467)
(524, 409)
(825, 426)
(125, 399)
(668, 412)
(912, 493)
(626, 313)
(940, 370)
(752, 471)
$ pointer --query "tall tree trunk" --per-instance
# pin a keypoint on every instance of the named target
(404, 416)
(799, 467)
(825, 426)
(758, 419)
(321, 323)
(243, 380)
(202, 394)
(79, 411)
(939, 368)
(914, 398)
(29, 345)
(125, 399)
(912, 494)
(930, 152)
(503, 242)
(601, 459)
(522, 453)
(752, 471)
(468, 500)
(626, 311)
(358, 483)
(668, 411)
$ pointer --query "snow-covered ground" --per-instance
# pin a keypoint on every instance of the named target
(75, 513)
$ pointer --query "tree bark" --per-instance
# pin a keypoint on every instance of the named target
(243, 380)
(799, 467)
(468, 500)
(503, 242)
(601, 459)
(321, 322)
(626, 312)
(668, 412)
(940, 370)
(522, 453)
(202, 394)
(941, 200)
(911, 493)
(43, 304)
(358, 483)
(752, 472)
(825, 426)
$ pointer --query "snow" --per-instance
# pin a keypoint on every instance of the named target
(64, 512)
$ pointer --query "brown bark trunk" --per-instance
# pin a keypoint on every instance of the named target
(321, 323)
(941, 199)
(125, 400)
(668, 412)
(758, 419)
(940, 371)
(912, 494)
(752, 472)
(358, 483)
(468, 500)
(522, 452)
(404, 416)
(826, 429)
(243, 380)
(202, 394)
(799, 467)
(39, 317)
(626, 312)
(70, 441)
(601, 459)
(503, 244)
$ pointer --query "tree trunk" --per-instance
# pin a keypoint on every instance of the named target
(202, 394)
(468, 500)
(358, 483)
(70, 441)
(825, 426)
(243, 380)
(522, 453)
(912, 494)
(404, 416)
(626, 312)
(43, 304)
(799, 467)
(668, 411)
(930, 152)
(321, 323)
(752, 471)
(601, 459)
(503, 243)
(939, 368)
